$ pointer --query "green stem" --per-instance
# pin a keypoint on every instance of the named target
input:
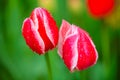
(48, 66)
(105, 44)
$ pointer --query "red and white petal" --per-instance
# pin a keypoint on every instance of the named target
(87, 53)
(32, 37)
(62, 33)
(50, 27)
(70, 52)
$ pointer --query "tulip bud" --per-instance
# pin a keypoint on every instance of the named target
(100, 8)
(40, 31)
(76, 47)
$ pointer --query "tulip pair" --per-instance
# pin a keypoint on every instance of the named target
(74, 44)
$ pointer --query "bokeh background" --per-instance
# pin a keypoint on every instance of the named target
(19, 62)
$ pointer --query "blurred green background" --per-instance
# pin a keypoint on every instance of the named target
(19, 62)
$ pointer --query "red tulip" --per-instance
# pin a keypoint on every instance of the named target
(40, 31)
(76, 47)
(100, 8)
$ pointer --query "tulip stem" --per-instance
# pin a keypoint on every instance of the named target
(105, 40)
(48, 66)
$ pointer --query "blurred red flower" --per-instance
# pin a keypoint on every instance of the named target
(100, 8)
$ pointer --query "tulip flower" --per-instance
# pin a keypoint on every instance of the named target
(75, 47)
(100, 8)
(40, 31)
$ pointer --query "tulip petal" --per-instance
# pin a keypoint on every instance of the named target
(40, 18)
(51, 28)
(62, 33)
(70, 52)
(32, 37)
(87, 53)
